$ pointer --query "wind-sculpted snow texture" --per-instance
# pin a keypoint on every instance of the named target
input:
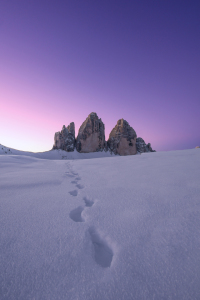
(122, 227)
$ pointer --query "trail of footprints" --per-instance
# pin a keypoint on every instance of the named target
(103, 253)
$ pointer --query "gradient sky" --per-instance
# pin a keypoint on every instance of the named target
(132, 59)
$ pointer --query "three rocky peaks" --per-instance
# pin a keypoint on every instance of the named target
(91, 138)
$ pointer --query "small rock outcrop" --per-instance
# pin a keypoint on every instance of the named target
(142, 146)
(91, 135)
(65, 139)
(122, 139)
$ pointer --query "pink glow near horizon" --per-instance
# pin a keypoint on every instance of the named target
(136, 61)
(32, 121)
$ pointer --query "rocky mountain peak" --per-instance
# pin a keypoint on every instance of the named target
(91, 138)
(122, 139)
(91, 135)
(123, 128)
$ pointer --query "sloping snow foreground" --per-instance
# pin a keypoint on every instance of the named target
(104, 228)
(55, 154)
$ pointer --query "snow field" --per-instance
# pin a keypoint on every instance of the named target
(55, 154)
(103, 228)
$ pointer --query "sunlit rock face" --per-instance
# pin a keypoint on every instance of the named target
(91, 135)
(122, 139)
(65, 139)
(142, 147)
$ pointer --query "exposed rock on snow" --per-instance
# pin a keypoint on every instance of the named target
(5, 150)
(142, 146)
(122, 139)
(91, 138)
(91, 135)
(65, 139)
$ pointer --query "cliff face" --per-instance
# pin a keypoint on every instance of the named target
(91, 135)
(142, 146)
(91, 138)
(122, 139)
(65, 139)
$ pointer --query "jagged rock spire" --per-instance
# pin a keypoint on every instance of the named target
(142, 146)
(65, 139)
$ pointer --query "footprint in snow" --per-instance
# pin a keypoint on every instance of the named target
(74, 193)
(78, 178)
(74, 173)
(103, 253)
(74, 182)
(75, 214)
(70, 175)
(80, 186)
(88, 202)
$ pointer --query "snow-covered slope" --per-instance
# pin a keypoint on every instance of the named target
(55, 154)
(104, 228)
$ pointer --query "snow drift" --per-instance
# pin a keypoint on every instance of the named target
(102, 228)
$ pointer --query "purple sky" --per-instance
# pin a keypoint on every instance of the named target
(137, 60)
